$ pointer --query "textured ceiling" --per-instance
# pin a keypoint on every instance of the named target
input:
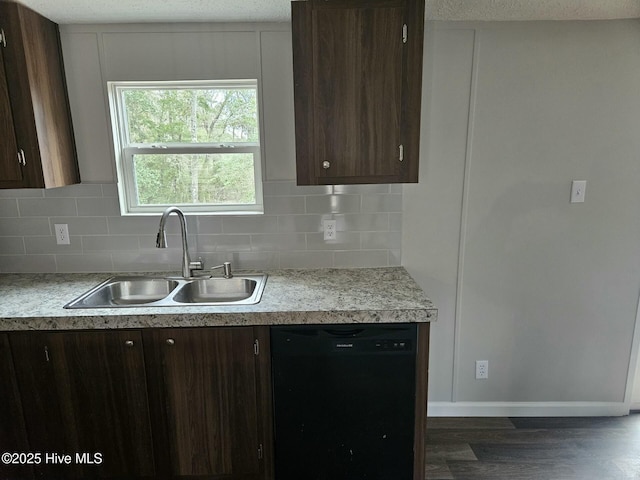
(126, 11)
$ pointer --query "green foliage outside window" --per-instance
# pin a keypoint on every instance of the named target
(165, 118)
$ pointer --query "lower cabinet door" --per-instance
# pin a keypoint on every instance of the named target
(85, 403)
(203, 400)
(13, 434)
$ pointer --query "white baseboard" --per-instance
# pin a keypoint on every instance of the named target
(635, 407)
(527, 409)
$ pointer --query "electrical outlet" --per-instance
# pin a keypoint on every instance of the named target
(329, 229)
(482, 369)
(62, 234)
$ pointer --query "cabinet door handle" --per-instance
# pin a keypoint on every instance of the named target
(21, 158)
(129, 343)
(170, 341)
(326, 164)
(3, 37)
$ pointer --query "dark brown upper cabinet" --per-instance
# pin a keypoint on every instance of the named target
(357, 68)
(38, 148)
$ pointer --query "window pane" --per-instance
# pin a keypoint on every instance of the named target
(191, 115)
(176, 179)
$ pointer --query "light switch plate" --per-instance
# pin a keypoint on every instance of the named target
(578, 188)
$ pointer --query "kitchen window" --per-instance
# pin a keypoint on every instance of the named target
(195, 145)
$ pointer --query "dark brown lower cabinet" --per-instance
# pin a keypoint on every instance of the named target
(13, 434)
(162, 403)
(205, 404)
(84, 394)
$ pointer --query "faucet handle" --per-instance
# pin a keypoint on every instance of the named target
(196, 265)
(226, 269)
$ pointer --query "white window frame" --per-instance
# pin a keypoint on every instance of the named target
(124, 150)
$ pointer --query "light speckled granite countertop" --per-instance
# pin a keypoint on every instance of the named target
(367, 295)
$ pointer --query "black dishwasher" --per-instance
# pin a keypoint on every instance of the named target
(344, 401)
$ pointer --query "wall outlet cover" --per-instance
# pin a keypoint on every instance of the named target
(482, 369)
(329, 227)
(62, 234)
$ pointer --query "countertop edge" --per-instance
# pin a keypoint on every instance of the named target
(217, 319)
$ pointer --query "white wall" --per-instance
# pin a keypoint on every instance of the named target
(545, 290)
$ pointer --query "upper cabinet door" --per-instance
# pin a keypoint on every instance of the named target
(10, 160)
(36, 103)
(357, 77)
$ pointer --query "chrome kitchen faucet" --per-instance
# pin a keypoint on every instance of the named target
(188, 266)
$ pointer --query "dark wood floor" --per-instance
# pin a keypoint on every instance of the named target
(594, 448)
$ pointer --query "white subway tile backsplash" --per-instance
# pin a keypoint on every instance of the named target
(12, 246)
(333, 204)
(24, 226)
(168, 259)
(301, 223)
(395, 222)
(278, 241)
(381, 203)
(395, 258)
(96, 262)
(223, 243)
(47, 207)
(22, 192)
(8, 207)
(363, 222)
(306, 259)
(361, 258)
(98, 207)
(41, 245)
(381, 240)
(27, 263)
(343, 241)
(283, 205)
(289, 235)
(137, 226)
(75, 191)
(157, 260)
(209, 225)
(110, 243)
(252, 224)
(109, 190)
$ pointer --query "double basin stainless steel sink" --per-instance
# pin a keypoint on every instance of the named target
(143, 291)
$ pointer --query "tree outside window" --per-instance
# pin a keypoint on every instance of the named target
(189, 144)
